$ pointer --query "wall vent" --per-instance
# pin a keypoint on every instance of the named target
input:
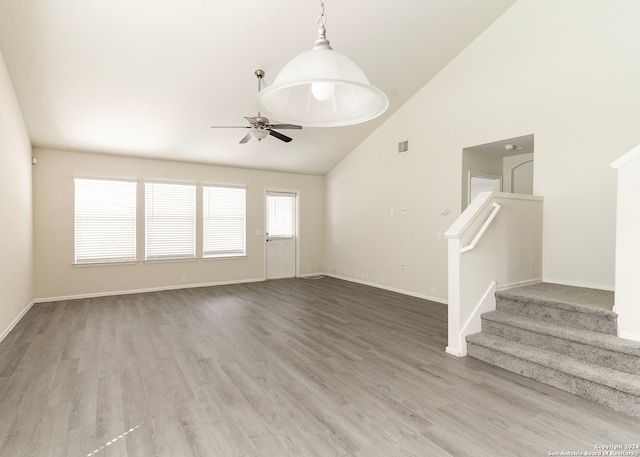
(403, 146)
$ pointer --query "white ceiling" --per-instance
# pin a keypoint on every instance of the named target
(148, 78)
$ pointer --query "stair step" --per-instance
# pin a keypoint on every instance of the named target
(575, 315)
(560, 293)
(592, 347)
(606, 386)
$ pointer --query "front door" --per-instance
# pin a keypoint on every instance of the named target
(281, 235)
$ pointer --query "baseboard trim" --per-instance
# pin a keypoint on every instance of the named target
(141, 291)
(630, 336)
(607, 287)
(312, 276)
(390, 289)
(16, 320)
(518, 284)
(453, 352)
(474, 322)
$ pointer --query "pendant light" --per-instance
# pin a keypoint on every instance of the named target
(322, 88)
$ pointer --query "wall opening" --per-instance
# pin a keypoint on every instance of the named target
(507, 163)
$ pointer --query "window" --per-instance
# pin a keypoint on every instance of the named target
(281, 215)
(105, 221)
(223, 221)
(170, 221)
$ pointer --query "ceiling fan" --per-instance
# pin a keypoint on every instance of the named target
(260, 127)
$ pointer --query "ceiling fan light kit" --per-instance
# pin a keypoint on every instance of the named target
(322, 88)
(259, 134)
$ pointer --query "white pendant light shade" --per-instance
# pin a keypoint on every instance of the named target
(322, 88)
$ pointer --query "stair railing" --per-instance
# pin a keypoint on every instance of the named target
(510, 254)
(485, 226)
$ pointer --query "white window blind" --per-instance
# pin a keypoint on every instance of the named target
(170, 221)
(105, 221)
(281, 215)
(223, 221)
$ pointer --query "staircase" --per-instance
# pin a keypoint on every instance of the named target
(565, 337)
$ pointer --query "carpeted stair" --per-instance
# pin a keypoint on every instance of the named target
(562, 336)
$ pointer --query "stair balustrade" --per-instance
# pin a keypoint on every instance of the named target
(488, 251)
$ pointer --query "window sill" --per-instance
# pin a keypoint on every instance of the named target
(168, 260)
(171, 260)
(105, 264)
(225, 257)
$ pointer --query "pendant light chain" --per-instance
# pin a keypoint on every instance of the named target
(322, 19)
(322, 42)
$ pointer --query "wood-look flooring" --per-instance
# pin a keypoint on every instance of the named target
(303, 368)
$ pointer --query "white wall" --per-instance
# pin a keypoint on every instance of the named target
(628, 250)
(563, 71)
(16, 247)
(54, 225)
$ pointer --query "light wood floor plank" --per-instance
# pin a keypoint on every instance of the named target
(285, 368)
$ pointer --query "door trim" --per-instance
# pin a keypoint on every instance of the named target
(264, 227)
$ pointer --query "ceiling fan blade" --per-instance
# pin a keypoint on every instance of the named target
(279, 136)
(230, 127)
(285, 126)
(246, 138)
(252, 120)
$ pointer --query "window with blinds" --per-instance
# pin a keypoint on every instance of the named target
(105, 221)
(281, 215)
(223, 221)
(170, 221)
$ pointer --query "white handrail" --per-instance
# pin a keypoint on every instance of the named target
(485, 226)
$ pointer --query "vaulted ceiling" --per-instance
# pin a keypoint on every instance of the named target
(148, 78)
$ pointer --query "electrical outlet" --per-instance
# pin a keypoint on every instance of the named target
(184, 278)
